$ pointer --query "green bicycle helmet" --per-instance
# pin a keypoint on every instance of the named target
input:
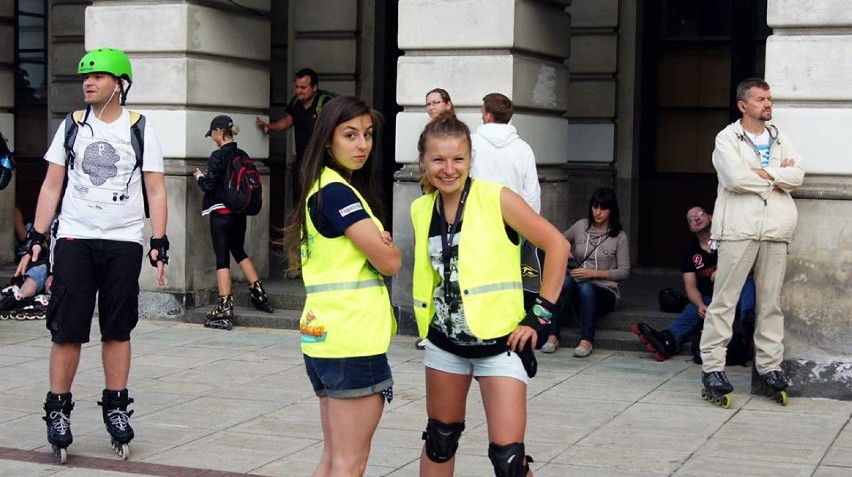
(106, 60)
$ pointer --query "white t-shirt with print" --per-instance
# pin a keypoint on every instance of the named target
(761, 142)
(102, 199)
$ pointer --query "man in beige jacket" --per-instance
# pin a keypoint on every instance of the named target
(755, 217)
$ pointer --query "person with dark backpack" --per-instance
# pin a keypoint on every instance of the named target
(232, 190)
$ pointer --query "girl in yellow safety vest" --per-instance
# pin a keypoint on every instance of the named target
(468, 299)
(344, 252)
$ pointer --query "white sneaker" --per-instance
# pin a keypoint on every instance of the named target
(421, 345)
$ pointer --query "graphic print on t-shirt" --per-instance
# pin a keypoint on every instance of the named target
(99, 162)
(100, 165)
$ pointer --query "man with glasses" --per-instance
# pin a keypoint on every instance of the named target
(698, 264)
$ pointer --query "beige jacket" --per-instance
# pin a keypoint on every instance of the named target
(747, 206)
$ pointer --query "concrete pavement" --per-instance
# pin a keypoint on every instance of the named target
(220, 403)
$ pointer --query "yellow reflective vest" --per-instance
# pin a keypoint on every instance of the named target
(347, 309)
(489, 265)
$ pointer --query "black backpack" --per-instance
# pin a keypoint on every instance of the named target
(242, 191)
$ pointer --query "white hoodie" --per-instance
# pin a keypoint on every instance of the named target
(499, 155)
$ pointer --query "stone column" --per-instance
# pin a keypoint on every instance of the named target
(809, 68)
(191, 62)
(7, 125)
(472, 48)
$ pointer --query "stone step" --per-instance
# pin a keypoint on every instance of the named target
(285, 319)
(613, 340)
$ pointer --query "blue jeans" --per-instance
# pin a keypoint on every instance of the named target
(689, 323)
(589, 301)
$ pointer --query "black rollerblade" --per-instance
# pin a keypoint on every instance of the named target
(117, 420)
(10, 300)
(222, 316)
(259, 297)
(717, 389)
(776, 385)
(660, 343)
(57, 408)
(31, 308)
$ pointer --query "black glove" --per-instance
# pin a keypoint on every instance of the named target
(542, 309)
(34, 238)
(161, 245)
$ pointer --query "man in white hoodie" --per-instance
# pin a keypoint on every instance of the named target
(500, 155)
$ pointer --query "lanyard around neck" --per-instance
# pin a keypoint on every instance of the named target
(448, 230)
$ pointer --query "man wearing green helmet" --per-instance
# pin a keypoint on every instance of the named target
(93, 184)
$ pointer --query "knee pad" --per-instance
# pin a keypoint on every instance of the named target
(442, 440)
(508, 460)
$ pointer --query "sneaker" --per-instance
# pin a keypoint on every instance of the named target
(421, 345)
(582, 352)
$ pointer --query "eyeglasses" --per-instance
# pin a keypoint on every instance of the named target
(435, 103)
(696, 216)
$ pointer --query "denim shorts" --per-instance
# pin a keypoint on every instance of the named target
(39, 276)
(343, 378)
(503, 364)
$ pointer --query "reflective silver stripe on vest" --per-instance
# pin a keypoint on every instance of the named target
(493, 287)
(344, 286)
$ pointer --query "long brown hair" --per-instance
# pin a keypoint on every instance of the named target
(444, 124)
(318, 156)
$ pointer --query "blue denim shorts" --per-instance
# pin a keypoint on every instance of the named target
(350, 377)
(39, 276)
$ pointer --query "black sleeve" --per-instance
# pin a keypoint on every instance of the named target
(340, 209)
(212, 180)
(686, 263)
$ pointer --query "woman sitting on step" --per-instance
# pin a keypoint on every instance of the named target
(601, 259)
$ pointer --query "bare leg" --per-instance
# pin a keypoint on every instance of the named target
(247, 266)
(223, 280)
(64, 359)
(505, 401)
(28, 288)
(116, 362)
(446, 398)
(348, 426)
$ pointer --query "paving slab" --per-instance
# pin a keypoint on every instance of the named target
(226, 403)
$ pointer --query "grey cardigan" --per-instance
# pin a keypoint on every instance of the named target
(612, 255)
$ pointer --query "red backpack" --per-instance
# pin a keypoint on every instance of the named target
(243, 189)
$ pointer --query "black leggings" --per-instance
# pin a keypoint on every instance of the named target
(228, 232)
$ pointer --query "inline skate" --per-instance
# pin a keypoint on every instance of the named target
(776, 386)
(660, 343)
(717, 389)
(259, 297)
(222, 316)
(117, 420)
(57, 408)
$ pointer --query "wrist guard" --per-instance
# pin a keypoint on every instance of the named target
(34, 238)
(161, 245)
(541, 309)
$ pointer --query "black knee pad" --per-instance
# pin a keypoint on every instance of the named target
(508, 460)
(442, 440)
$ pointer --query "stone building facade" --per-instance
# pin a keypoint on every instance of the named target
(608, 92)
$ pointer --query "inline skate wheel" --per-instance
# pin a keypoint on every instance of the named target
(123, 450)
(781, 398)
(62, 453)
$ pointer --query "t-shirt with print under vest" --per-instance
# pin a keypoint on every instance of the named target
(761, 142)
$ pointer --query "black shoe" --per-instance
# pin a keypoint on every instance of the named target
(660, 344)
